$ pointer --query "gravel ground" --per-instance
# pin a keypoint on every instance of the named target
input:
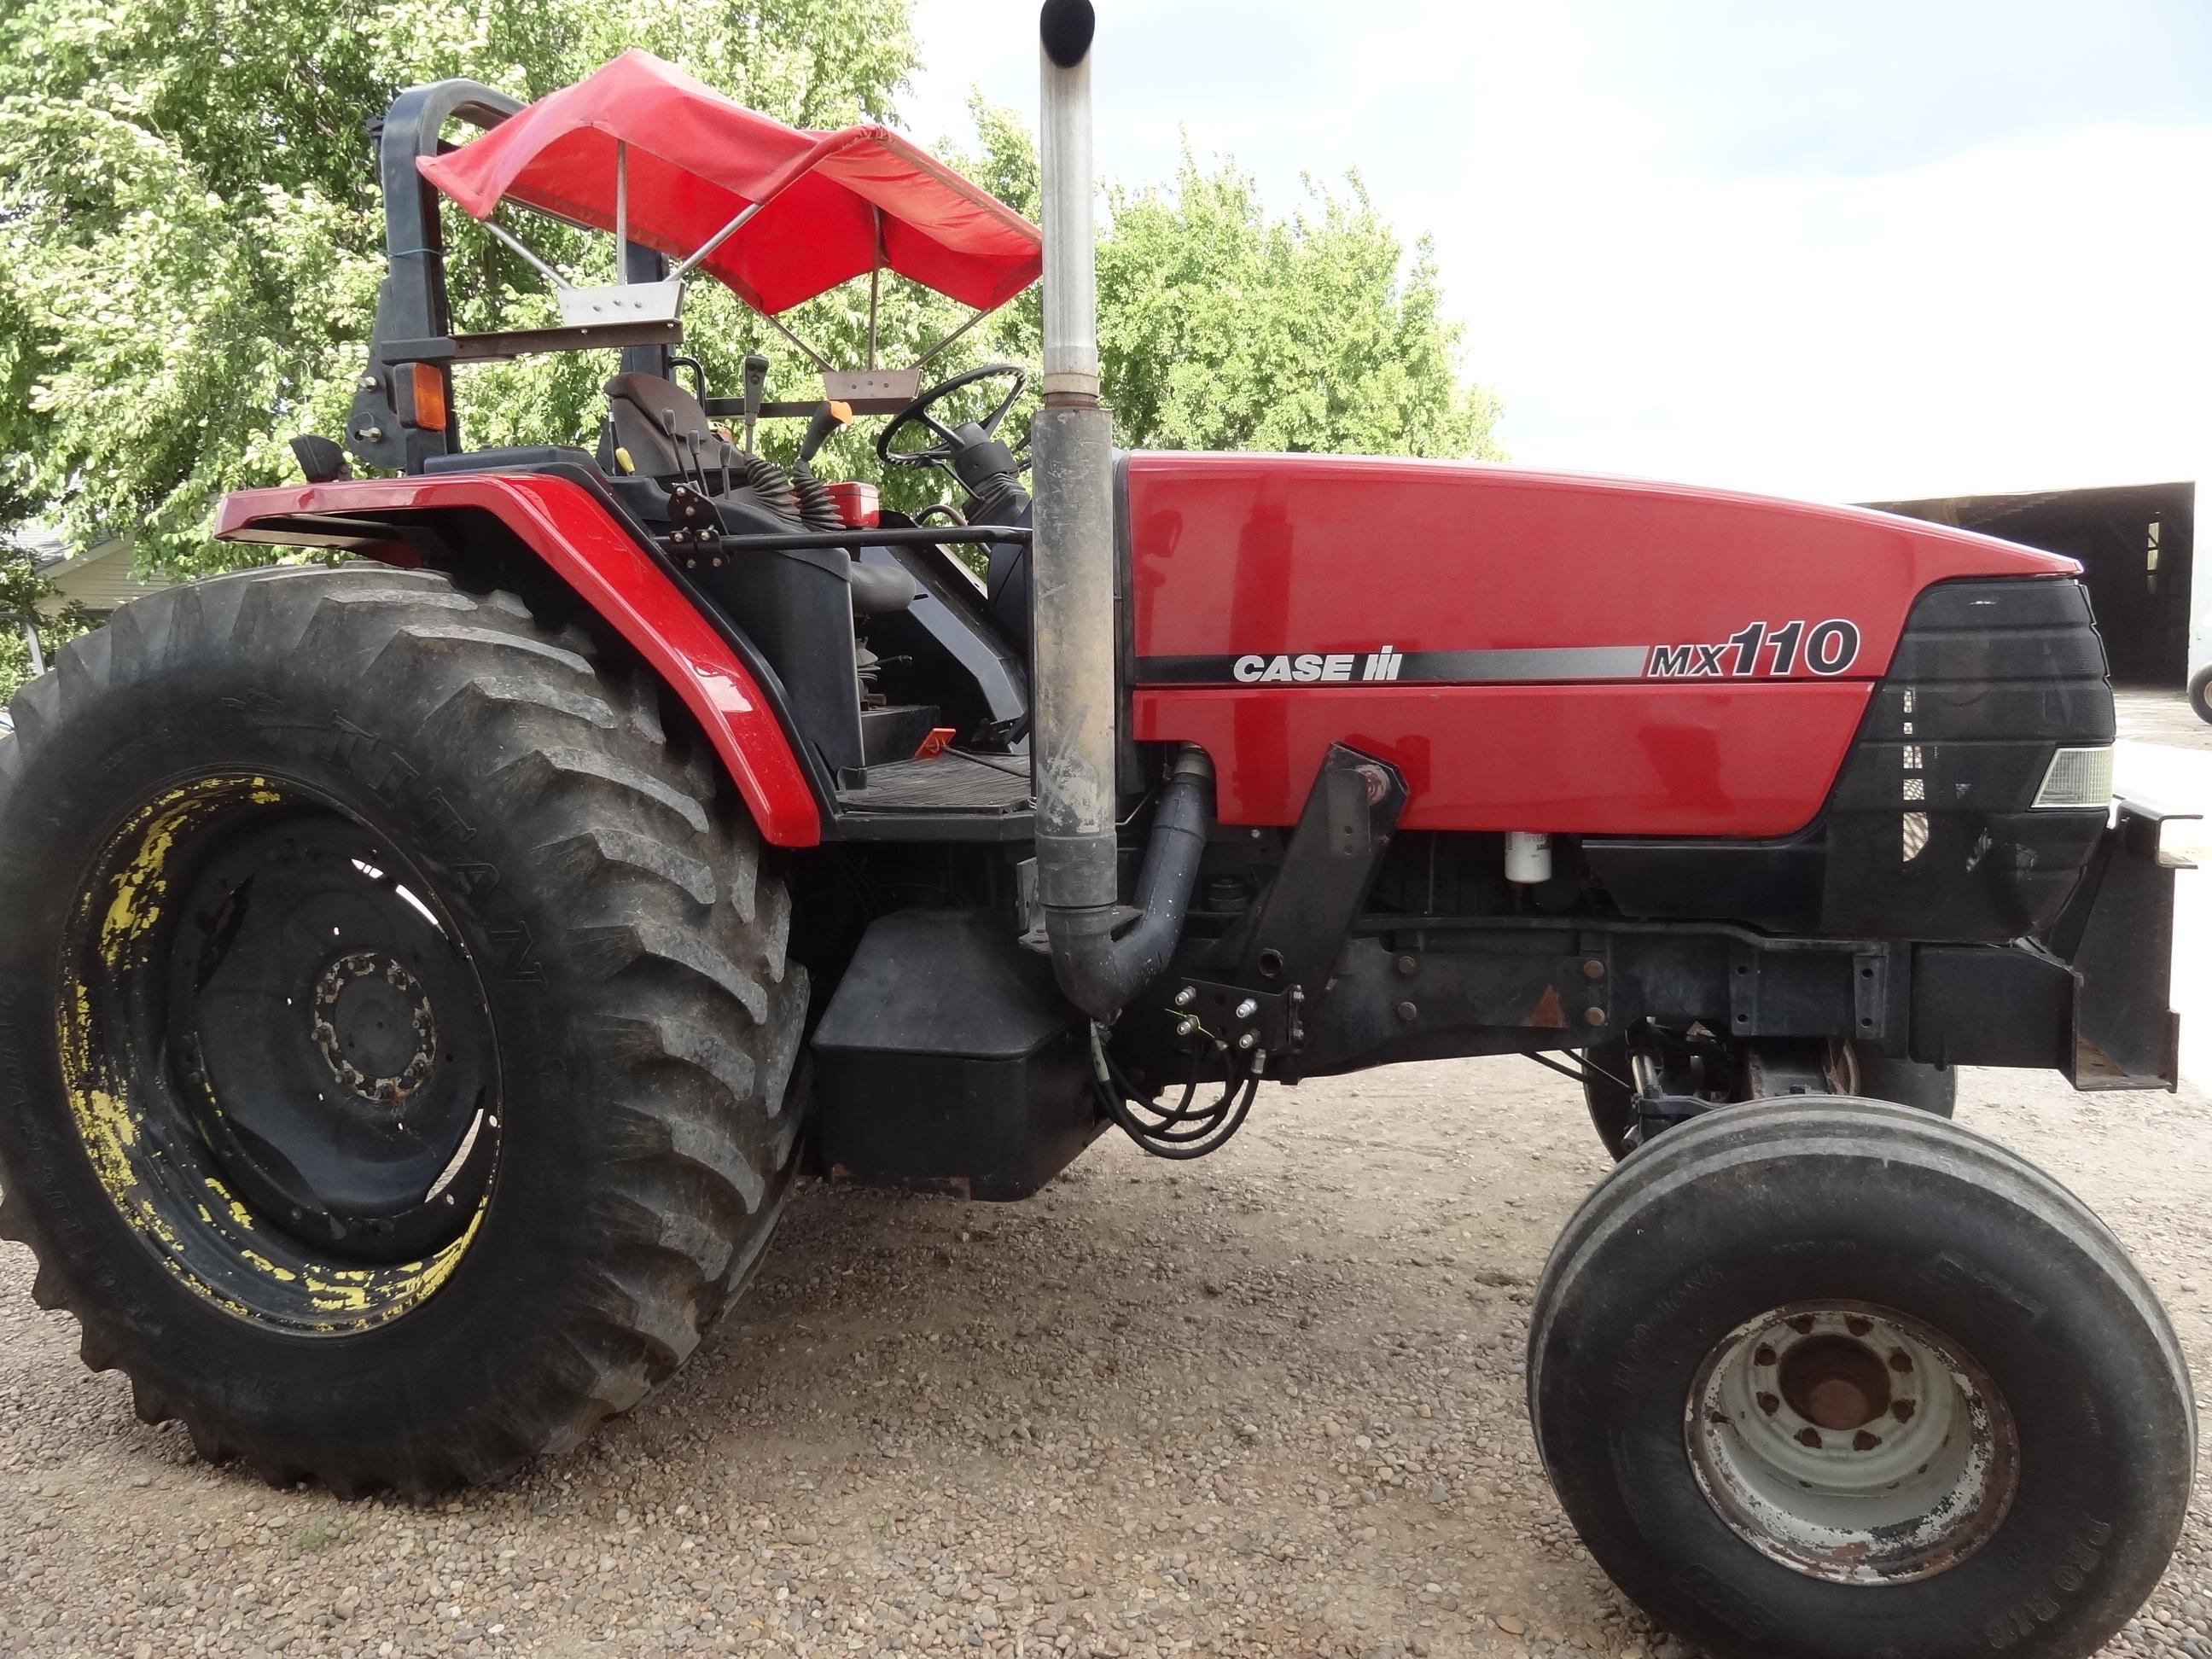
(1269, 1403)
(2160, 715)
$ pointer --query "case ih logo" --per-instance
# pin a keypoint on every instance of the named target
(1306, 669)
(1764, 650)
(1828, 647)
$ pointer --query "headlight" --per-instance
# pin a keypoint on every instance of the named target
(2078, 777)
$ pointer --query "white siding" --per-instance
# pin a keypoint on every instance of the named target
(99, 580)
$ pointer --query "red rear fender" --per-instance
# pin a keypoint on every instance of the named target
(596, 558)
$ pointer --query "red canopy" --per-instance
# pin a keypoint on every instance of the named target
(696, 160)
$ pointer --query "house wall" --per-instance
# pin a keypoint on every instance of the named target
(99, 581)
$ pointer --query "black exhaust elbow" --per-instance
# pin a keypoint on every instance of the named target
(1099, 971)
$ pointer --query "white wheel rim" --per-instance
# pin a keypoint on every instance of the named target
(1851, 1443)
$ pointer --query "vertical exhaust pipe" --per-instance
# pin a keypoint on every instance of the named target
(1071, 440)
(1065, 176)
(1073, 745)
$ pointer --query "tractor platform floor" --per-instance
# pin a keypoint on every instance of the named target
(957, 795)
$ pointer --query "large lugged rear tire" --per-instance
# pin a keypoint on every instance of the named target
(395, 1028)
(1823, 1378)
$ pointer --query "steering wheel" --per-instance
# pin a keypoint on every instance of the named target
(950, 440)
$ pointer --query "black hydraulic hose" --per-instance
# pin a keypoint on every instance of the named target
(1213, 1129)
(1099, 972)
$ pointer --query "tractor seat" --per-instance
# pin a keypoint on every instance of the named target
(643, 406)
(879, 589)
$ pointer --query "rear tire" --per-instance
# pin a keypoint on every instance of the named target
(528, 886)
(2035, 1523)
(2200, 693)
(1607, 1093)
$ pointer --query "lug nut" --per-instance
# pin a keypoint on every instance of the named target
(1185, 996)
(1248, 1039)
(1185, 1027)
(1246, 1008)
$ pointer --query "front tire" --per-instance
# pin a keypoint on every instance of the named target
(1610, 1100)
(2200, 693)
(395, 1028)
(1745, 1334)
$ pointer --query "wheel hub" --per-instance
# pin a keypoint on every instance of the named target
(1836, 1383)
(374, 1026)
(1851, 1443)
(335, 1040)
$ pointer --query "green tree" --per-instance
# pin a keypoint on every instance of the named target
(27, 599)
(1220, 327)
(1223, 328)
(20, 593)
(190, 239)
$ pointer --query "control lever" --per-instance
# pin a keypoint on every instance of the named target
(688, 442)
(755, 383)
(827, 419)
(698, 460)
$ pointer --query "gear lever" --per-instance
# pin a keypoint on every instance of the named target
(756, 383)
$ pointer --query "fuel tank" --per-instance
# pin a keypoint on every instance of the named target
(1534, 651)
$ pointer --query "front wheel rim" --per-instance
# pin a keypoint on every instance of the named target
(1851, 1443)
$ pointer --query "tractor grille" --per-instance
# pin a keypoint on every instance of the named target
(1932, 828)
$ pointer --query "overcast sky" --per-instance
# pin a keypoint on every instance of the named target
(1844, 251)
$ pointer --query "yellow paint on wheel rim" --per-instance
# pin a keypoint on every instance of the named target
(227, 1251)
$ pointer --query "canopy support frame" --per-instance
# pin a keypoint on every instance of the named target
(686, 267)
(875, 282)
(561, 284)
(639, 313)
(621, 210)
(818, 359)
(922, 361)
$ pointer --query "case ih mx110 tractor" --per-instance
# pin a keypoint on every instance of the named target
(422, 977)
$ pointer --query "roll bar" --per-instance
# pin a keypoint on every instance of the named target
(399, 420)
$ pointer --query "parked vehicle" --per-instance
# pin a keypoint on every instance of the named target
(424, 977)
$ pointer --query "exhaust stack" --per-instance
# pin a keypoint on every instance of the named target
(1073, 746)
(1066, 175)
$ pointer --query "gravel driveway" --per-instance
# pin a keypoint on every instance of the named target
(1268, 1403)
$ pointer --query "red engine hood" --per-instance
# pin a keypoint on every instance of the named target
(1302, 553)
(1537, 651)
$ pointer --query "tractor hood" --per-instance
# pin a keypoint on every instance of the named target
(1535, 649)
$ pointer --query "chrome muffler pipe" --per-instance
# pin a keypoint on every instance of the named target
(1072, 744)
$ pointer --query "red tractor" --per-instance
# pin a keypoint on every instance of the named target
(424, 976)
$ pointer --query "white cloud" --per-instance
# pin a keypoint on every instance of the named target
(2012, 294)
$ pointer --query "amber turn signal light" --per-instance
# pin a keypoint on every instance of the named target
(427, 394)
